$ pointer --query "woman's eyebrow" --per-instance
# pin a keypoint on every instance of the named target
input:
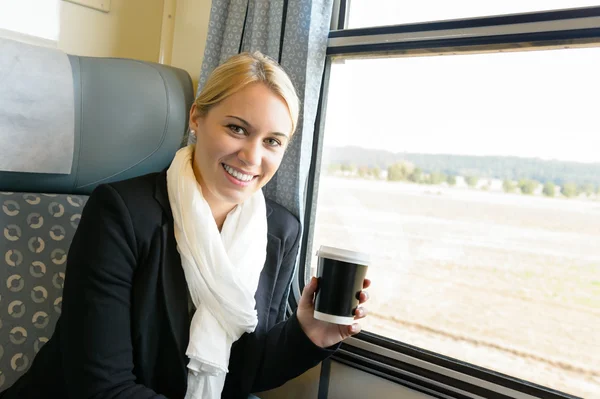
(249, 126)
(245, 122)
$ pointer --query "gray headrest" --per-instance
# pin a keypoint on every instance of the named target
(130, 118)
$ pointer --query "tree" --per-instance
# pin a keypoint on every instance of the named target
(399, 171)
(569, 190)
(363, 172)
(333, 168)
(549, 189)
(376, 172)
(587, 188)
(415, 176)
(508, 186)
(437, 178)
(451, 180)
(471, 180)
(396, 172)
(527, 186)
(348, 169)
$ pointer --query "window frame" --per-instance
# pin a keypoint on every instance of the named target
(428, 372)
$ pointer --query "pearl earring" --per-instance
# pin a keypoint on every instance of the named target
(192, 131)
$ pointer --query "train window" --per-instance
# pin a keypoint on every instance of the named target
(35, 21)
(365, 13)
(471, 174)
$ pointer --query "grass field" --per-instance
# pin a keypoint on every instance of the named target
(504, 281)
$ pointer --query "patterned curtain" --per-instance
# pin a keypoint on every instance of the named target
(293, 32)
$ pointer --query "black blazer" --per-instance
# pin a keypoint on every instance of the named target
(124, 326)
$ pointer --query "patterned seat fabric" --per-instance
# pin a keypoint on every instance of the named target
(37, 230)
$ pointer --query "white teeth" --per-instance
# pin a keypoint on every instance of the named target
(236, 174)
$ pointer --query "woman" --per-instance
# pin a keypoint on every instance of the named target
(176, 282)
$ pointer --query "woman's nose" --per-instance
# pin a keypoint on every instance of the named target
(250, 153)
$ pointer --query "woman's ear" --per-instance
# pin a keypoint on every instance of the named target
(193, 123)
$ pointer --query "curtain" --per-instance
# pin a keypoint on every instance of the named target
(293, 32)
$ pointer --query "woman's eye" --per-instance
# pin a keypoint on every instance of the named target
(273, 142)
(236, 129)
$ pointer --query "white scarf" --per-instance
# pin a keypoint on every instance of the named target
(221, 270)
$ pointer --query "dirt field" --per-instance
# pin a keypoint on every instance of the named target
(503, 281)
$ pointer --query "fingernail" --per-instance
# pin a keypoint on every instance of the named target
(354, 327)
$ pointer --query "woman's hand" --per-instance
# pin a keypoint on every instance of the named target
(322, 333)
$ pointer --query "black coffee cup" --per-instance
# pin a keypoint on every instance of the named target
(341, 274)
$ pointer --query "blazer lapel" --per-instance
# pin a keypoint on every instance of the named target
(174, 286)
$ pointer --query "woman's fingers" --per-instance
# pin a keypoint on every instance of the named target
(363, 297)
(359, 313)
(308, 293)
(354, 329)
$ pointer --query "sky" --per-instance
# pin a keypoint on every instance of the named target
(540, 104)
(391, 12)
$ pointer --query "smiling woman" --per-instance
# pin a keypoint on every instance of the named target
(243, 121)
(240, 144)
(178, 281)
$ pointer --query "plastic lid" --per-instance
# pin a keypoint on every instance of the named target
(344, 255)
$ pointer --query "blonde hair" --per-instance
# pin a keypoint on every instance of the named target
(244, 69)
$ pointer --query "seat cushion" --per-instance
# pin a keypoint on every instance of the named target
(37, 230)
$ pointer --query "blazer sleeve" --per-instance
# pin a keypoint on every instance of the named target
(287, 350)
(97, 351)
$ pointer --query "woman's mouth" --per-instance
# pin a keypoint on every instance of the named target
(239, 176)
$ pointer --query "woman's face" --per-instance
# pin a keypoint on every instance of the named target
(240, 144)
